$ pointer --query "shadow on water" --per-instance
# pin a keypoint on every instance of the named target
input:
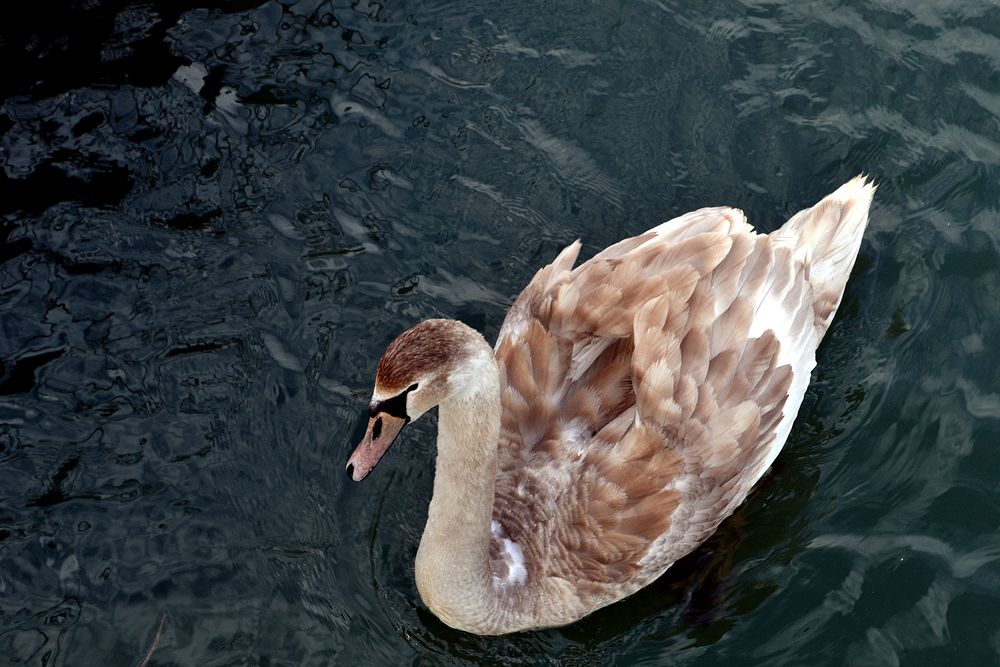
(107, 43)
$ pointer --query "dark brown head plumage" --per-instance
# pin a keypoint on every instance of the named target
(432, 345)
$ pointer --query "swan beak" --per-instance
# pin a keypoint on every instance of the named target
(382, 430)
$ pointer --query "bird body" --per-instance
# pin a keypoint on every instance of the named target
(628, 407)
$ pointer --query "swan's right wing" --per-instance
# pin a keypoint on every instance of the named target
(645, 392)
(648, 390)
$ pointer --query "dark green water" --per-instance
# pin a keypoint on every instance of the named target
(215, 215)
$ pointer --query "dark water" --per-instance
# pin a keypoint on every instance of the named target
(216, 215)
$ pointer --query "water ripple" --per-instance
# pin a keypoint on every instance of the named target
(214, 217)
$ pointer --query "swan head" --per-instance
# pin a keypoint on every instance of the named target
(421, 368)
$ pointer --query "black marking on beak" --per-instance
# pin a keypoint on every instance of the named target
(395, 406)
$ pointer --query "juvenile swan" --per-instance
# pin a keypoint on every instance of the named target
(628, 407)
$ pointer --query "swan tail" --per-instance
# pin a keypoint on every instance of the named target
(826, 238)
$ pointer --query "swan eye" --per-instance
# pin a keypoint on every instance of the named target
(412, 387)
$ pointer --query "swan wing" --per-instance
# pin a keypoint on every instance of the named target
(638, 409)
(647, 390)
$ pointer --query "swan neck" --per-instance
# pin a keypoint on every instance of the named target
(452, 567)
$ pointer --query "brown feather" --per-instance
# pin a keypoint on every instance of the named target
(643, 393)
(674, 354)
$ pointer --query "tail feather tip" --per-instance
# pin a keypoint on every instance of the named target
(861, 187)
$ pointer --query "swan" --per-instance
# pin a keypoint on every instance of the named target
(628, 407)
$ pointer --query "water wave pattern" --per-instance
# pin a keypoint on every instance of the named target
(214, 215)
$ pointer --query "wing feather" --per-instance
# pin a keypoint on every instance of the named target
(644, 393)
